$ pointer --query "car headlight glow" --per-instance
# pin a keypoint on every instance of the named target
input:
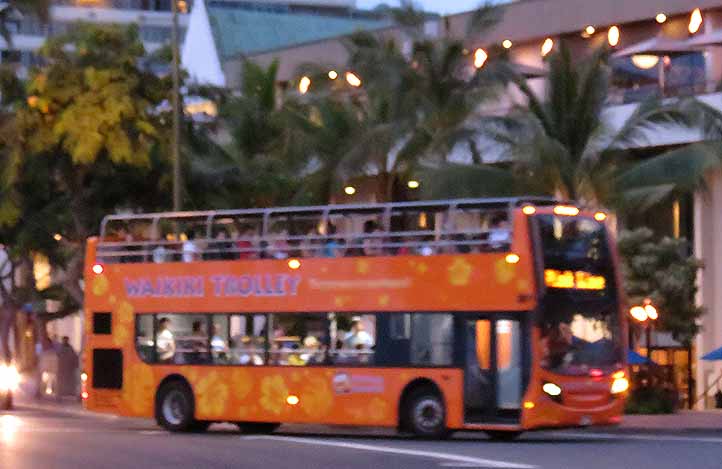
(9, 378)
(552, 389)
(619, 385)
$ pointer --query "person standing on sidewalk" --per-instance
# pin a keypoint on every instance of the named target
(67, 370)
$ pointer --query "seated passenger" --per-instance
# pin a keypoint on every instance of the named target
(280, 247)
(219, 349)
(245, 244)
(311, 352)
(191, 248)
(426, 248)
(165, 342)
(221, 248)
(372, 243)
(499, 232)
(357, 335)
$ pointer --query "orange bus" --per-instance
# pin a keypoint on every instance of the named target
(502, 315)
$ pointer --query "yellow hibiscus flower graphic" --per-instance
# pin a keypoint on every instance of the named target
(211, 396)
(241, 383)
(122, 334)
(100, 285)
(273, 393)
(459, 272)
(125, 312)
(138, 389)
(316, 397)
(503, 271)
(362, 266)
(377, 409)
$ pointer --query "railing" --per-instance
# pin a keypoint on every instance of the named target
(422, 228)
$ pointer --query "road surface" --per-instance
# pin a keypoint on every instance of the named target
(48, 438)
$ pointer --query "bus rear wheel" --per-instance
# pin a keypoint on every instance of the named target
(175, 408)
(425, 414)
(258, 428)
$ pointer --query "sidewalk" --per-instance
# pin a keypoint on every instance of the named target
(684, 421)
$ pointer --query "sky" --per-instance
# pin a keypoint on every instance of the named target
(437, 6)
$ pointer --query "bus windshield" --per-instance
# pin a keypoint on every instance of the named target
(580, 322)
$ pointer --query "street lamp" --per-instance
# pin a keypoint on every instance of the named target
(645, 314)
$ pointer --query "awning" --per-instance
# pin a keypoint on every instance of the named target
(713, 355)
(657, 45)
(709, 39)
(633, 358)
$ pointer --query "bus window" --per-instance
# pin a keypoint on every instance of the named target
(299, 339)
(432, 339)
(248, 339)
(144, 341)
(181, 338)
(355, 339)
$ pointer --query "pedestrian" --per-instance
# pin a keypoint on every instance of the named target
(67, 370)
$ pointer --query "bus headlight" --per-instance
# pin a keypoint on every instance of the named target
(552, 389)
(9, 378)
(619, 385)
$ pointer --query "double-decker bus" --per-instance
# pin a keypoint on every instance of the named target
(502, 315)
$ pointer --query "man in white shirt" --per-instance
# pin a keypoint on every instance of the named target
(358, 336)
(191, 251)
(165, 342)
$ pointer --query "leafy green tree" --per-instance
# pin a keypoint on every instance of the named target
(561, 143)
(83, 143)
(663, 271)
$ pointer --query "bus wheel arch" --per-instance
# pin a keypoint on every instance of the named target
(175, 405)
(422, 409)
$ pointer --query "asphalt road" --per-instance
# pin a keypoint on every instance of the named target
(33, 438)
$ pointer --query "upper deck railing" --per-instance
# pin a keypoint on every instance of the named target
(423, 228)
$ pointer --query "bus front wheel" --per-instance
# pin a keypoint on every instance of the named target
(425, 414)
(175, 408)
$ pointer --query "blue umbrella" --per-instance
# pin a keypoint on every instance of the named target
(633, 358)
(714, 355)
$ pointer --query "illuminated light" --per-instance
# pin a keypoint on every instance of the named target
(9, 378)
(587, 281)
(651, 312)
(600, 216)
(84, 394)
(413, 184)
(660, 18)
(97, 269)
(667, 61)
(529, 405)
(569, 279)
(528, 210)
(292, 400)
(506, 44)
(57, 236)
(619, 375)
(638, 313)
(547, 46)
(588, 31)
(480, 57)
(349, 190)
(566, 210)
(83, 377)
(596, 373)
(9, 425)
(620, 385)
(512, 258)
(552, 389)
(645, 61)
(353, 79)
(304, 85)
(559, 279)
(613, 36)
(333, 74)
(695, 21)
(294, 264)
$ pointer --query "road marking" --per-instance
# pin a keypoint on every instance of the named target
(153, 432)
(447, 459)
(623, 436)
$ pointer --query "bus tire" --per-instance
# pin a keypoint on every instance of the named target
(500, 435)
(175, 407)
(258, 428)
(425, 414)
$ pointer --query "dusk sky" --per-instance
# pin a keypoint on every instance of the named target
(438, 6)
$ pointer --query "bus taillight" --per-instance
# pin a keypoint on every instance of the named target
(566, 210)
(97, 269)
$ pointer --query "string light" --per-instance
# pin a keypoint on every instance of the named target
(547, 46)
(480, 57)
(613, 36)
(695, 21)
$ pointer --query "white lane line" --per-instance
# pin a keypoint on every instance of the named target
(447, 458)
(153, 432)
(623, 436)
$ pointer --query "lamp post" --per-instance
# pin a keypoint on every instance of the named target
(645, 314)
(175, 140)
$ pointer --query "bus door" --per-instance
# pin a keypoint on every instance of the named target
(493, 378)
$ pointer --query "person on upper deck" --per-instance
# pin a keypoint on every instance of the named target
(500, 231)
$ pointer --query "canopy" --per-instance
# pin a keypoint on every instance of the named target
(710, 39)
(633, 358)
(713, 355)
(657, 45)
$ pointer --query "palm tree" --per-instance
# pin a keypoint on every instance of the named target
(563, 145)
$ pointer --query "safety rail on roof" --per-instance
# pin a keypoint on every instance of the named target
(459, 225)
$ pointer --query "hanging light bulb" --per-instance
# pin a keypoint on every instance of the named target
(547, 46)
(480, 57)
(304, 85)
(613, 36)
(695, 21)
